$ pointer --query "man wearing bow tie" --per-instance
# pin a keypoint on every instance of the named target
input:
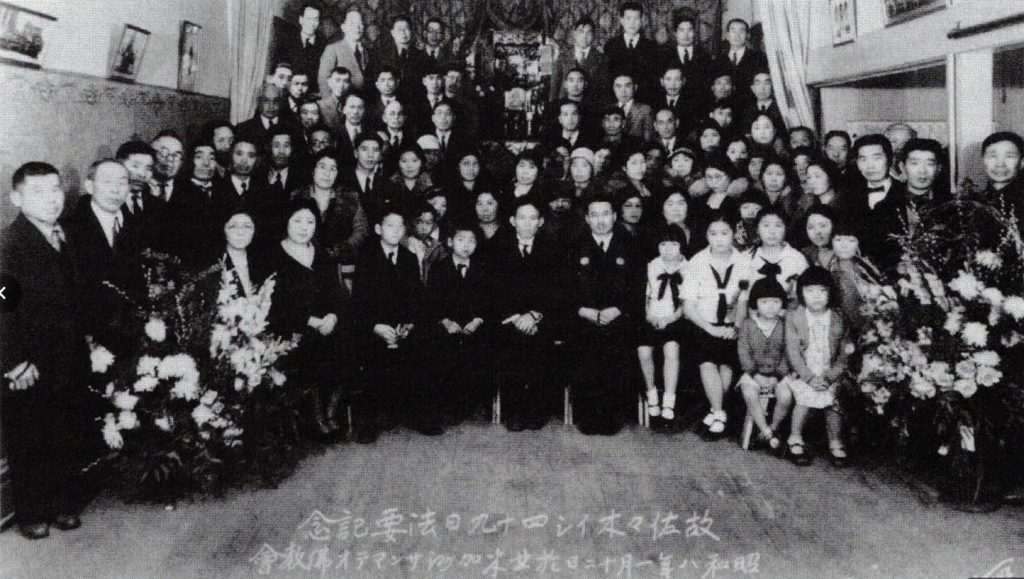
(878, 204)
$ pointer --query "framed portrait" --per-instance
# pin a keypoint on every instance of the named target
(897, 11)
(128, 53)
(844, 21)
(188, 63)
(22, 34)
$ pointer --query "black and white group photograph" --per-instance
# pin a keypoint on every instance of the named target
(512, 288)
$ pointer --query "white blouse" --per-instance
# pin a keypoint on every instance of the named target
(704, 282)
(664, 305)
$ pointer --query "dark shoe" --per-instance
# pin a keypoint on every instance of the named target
(316, 414)
(798, 454)
(365, 436)
(34, 531)
(67, 522)
(1013, 497)
(537, 423)
(840, 461)
(515, 425)
(333, 404)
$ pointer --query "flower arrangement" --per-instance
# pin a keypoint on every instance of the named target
(179, 401)
(942, 347)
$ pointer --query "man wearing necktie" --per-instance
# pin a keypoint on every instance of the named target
(348, 52)
(630, 53)
(582, 54)
(44, 360)
(739, 59)
(302, 49)
(602, 269)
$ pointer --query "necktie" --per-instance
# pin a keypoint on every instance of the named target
(632, 44)
(277, 180)
(394, 141)
(359, 57)
(116, 230)
(602, 246)
(57, 237)
(444, 143)
(735, 58)
(686, 55)
(402, 55)
(462, 269)
(163, 190)
(671, 103)
(525, 249)
(245, 187)
(366, 185)
(391, 258)
(136, 203)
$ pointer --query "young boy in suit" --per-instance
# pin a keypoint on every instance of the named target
(386, 303)
(460, 297)
(44, 358)
(529, 311)
(602, 279)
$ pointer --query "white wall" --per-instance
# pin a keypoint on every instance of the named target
(840, 105)
(82, 40)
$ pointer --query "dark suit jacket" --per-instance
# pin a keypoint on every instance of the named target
(384, 193)
(752, 62)
(688, 110)
(330, 114)
(419, 113)
(641, 63)
(697, 72)
(750, 111)
(445, 55)
(345, 148)
(307, 59)
(266, 205)
(385, 293)
(46, 327)
(587, 137)
(639, 122)
(596, 67)
(879, 224)
(409, 69)
(254, 129)
(602, 279)
(530, 283)
(450, 296)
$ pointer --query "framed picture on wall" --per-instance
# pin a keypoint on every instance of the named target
(844, 21)
(188, 63)
(897, 11)
(128, 54)
(22, 34)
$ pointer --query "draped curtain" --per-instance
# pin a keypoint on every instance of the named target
(786, 25)
(250, 25)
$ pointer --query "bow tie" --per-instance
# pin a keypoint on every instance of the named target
(770, 269)
(876, 189)
(670, 281)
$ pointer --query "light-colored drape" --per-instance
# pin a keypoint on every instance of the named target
(786, 25)
(251, 23)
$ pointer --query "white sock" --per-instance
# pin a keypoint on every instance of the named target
(668, 400)
(652, 397)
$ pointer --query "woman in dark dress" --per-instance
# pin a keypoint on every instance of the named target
(308, 301)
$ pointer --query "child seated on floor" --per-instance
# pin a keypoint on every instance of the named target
(663, 324)
(818, 347)
(762, 352)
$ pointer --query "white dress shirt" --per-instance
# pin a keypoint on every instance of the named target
(108, 222)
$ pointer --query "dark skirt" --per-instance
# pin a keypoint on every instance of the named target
(709, 349)
(678, 331)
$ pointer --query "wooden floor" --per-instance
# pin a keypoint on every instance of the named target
(620, 505)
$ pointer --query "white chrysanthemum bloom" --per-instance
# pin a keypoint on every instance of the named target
(156, 329)
(881, 396)
(966, 285)
(965, 387)
(127, 420)
(147, 365)
(975, 334)
(924, 336)
(163, 423)
(988, 376)
(185, 389)
(988, 259)
(943, 450)
(940, 374)
(278, 377)
(125, 401)
(953, 323)
(101, 359)
(921, 387)
(202, 414)
(966, 369)
(986, 358)
(993, 296)
(146, 384)
(209, 397)
(176, 366)
(1014, 306)
(111, 434)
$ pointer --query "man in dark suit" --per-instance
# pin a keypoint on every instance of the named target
(466, 103)
(575, 88)
(354, 113)
(394, 134)
(349, 52)
(739, 59)
(687, 53)
(879, 205)
(170, 156)
(569, 130)
(387, 305)
(376, 191)
(684, 105)
(386, 91)
(632, 54)
(603, 268)
(280, 174)
(201, 235)
(243, 189)
(530, 311)
(421, 106)
(298, 88)
(666, 130)
(268, 115)
(146, 210)
(401, 55)
(762, 99)
(638, 120)
(303, 49)
(434, 45)
(448, 131)
(44, 359)
(584, 56)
